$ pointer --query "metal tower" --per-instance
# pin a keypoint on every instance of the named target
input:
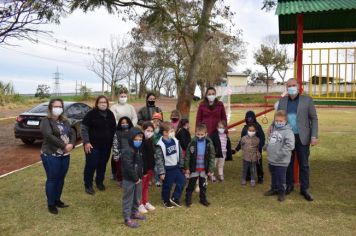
(56, 87)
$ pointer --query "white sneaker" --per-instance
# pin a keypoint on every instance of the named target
(149, 207)
(142, 209)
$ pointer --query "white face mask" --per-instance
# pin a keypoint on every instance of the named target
(148, 134)
(122, 100)
(157, 130)
(221, 130)
(171, 134)
(251, 133)
(211, 98)
(57, 111)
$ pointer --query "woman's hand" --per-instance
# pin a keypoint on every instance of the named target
(87, 148)
(162, 177)
(68, 148)
(139, 180)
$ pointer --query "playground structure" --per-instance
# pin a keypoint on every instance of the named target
(327, 74)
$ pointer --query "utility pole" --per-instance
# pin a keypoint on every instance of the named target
(103, 71)
(57, 89)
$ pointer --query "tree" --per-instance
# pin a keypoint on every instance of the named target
(85, 92)
(20, 19)
(285, 65)
(181, 19)
(112, 64)
(43, 91)
(169, 86)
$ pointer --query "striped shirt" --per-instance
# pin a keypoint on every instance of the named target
(223, 142)
(200, 165)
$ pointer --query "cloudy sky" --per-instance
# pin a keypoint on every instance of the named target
(29, 64)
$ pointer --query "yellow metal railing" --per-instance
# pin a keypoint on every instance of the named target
(330, 73)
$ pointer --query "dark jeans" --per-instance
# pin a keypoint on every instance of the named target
(96, 161)
(56, 169)
(173, 175)
(303, 152)
(191, 187)
(259, 168)
(249, 167)
(278, 174)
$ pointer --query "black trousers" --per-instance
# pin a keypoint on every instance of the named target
(191, 187)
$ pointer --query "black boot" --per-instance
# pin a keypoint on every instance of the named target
(204, 202)
(307, 196)
(188, 200)
(281, 196)
(289, 189)
(89, 190)
(61, 204)
(53, 209)
(101, 187)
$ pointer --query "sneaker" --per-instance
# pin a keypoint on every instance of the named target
(281, 196)
(243, 182)
(158, 184)
(138, 216)
(142, 209)
(270, 193)
(168, 204)
(150, 207)
(175, 202)
(101, 187)
(205, 202)
(253, 183)
(53, 209)
(131, 224)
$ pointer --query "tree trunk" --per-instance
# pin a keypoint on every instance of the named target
(187, 91)
(113, 90)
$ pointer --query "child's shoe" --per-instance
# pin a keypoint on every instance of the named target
(175, 202)
(220, 178)
(260, 180)
(188, 201)
(213, 178)
(150, 207)
(205, 202)
(281, 196)
(253, 183)
(168, 205)
(142, 209)
(138, 216)
(158, 184)
(132, 224)
(243, 182)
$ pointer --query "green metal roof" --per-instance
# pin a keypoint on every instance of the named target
(324, 20)
(303, 6)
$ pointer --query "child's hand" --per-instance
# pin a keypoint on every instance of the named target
(162, 177)
(210, 174)
(139, 180)
(187, 173)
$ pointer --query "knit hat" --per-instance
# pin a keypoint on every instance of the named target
(157, 116)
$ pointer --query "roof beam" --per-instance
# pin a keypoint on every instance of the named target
(319, 31)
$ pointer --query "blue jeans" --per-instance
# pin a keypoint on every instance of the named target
(173, 175)
(278, 174)
(56, 169)
(303, 152)
(96, 161)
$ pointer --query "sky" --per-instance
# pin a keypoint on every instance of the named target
(28, 64)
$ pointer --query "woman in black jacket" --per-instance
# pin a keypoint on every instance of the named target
(58, 141)
(98, 129)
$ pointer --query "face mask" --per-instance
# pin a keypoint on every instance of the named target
(151, 103)
(122, 100)
(137, 144)
(221, 130)
(211, 98)
(148, 134)
(251, 133)
(102, 107)
(171, 135)
(57, 111)
(292, 91)
(279, 124)
(201, 138)
(157, 130)
(125, 126)
(174, 120)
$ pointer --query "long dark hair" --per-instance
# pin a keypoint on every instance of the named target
(98, 99)
(129, 122)
(50, 107)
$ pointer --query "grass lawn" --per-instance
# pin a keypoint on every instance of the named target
(251, 98)
(235, 210)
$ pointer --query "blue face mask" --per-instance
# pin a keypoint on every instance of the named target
(293, 91)
(279, 125)
(201, 139)
(125, 126)
(137, 144)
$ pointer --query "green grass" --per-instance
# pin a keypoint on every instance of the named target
(235, 210)
(250, 98)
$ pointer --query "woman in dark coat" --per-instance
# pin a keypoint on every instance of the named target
(211, 111)
(146, 112)
(98, 129)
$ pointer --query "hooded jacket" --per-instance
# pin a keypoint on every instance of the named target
(251, 117)
(280, 145)
(192, 152)
(132, 162)
(146, 112)
(121, 137)
(211, 115)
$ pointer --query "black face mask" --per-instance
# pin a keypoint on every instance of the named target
(175, 119)
(151, 103)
